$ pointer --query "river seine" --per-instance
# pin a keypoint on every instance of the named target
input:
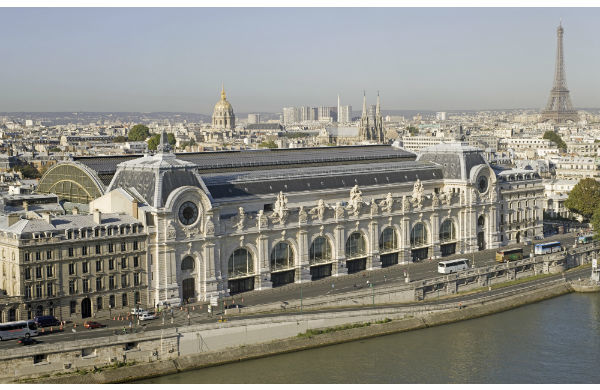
(554, 341)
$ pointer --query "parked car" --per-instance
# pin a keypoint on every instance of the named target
(93, 325)
(148, 316)
(44, 321)
(27, 341)
(139, 311)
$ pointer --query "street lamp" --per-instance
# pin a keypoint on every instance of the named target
(373, 292)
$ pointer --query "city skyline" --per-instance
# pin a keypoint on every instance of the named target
(158, 60)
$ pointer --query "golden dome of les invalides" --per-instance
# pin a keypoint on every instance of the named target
(223, 116)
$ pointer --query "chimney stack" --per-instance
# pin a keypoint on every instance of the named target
(13, 218)
(97, 217)
(75, 211)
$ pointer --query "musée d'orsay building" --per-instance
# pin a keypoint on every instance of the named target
(233, 221)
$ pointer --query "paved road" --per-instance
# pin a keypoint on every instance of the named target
(392, 276)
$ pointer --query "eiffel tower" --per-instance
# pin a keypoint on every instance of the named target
(559, 108)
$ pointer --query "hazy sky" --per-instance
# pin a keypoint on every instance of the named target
(139, 59)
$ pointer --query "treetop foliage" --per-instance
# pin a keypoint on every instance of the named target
(552, 136)
(584, 198)
(155, 140)
(138, 133)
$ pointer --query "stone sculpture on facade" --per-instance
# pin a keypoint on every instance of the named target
(435, 201)
(374, 208)
(241, 219)
(261, 220)
(418, 194)
(210, 226)
(388, 203)
(474, 195)
(339, 212)
(302, 215)
(280, 210)
(171, 232)
(318, 212)
(356, 200)
(447, 196)
(405, 204)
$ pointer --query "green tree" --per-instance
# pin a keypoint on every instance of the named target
(596, 224)
(138, 133)
(584, 198)
(155, 140)
(268, 145)
(552, 136)
(120, 139)
(28, 171)
(412, 130)
(298, 134)
(185, 144)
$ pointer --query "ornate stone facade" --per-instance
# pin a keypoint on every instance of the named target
(229, 231)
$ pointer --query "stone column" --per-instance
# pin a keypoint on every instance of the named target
(404, 244)
(263, 275)
(211, 284)
(302, 262)
(340, 245)
(373, 259)
(172, 286)
(435, 236)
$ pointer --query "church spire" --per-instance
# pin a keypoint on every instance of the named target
(378, 107)
(223, 91)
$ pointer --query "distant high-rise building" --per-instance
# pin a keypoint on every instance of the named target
(559, 108)
(440, 116)
(290, 115)
(327, 114)
(253, 119)
(345, 114)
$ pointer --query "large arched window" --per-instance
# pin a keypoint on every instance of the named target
(282, 256)
(187, 264)
(388, 240)
(320, 250)
(355, 245)
(240, 263)
(447, 231)
(418, 235)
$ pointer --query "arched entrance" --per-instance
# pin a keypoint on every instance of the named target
(518, 237)
(188, 286)
(480, 233)
(86, 308)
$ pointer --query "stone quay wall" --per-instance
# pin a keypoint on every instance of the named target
(199, 349)
(218, 343)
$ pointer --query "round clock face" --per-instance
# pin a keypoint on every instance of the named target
(188, 213)
(482, 184)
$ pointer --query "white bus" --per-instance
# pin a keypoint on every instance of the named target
(449, 266)
(17, 329)
(548, 247)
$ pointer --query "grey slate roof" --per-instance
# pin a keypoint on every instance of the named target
(456, 159)
(226, 185)
(64, 222)
(261, 159)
